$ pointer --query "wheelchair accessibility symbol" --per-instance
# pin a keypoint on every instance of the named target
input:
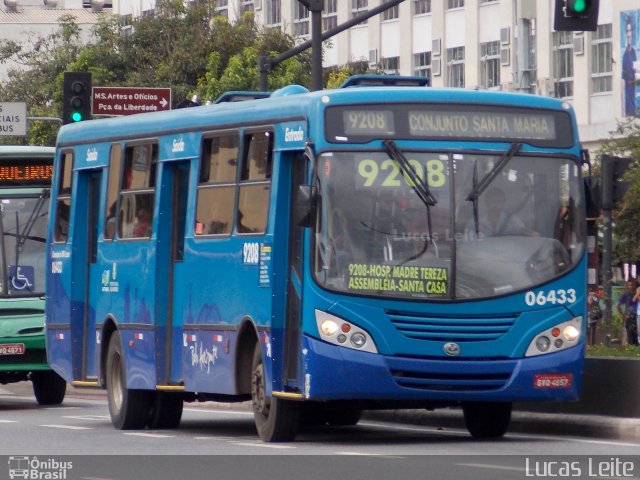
(22, 277)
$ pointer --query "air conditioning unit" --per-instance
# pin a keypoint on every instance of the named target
(435, 67)
(505, 36)
(436, 45)
(578, 45)
(505, 56)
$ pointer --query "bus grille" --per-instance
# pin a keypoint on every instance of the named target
(452, 328)
(444, 376)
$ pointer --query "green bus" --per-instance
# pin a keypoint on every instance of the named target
(25, 185)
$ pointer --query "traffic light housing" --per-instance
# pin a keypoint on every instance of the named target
(76, 98)
(576, 15)
(612, 169)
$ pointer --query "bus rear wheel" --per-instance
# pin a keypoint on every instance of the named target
(487, 419)
(129, 409)
(49, 388)
(276, 419)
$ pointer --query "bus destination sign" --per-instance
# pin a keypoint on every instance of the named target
(22, 173)
(363, 123)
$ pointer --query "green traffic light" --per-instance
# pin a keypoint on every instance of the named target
(579, 6)
(76, 116)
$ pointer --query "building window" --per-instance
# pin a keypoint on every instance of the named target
(222, 8)
(358, 7)
(455, 67)
(246, 6)
(601, 61)
(421, 6)
(330, 15)
(563, 64)
(422, 64)
(390, 65)
(300, 20)
(490, 64)
(451, 4)
(390, 13)
(273, 15)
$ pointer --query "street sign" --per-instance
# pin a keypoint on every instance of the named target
(13, 118)
(129, 100)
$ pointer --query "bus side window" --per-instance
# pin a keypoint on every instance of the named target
(217, 185)
(137, 192)
(115, 160)
(255, 183)
(63, 203)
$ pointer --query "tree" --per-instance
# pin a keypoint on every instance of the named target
(625, 142)
(184, 46)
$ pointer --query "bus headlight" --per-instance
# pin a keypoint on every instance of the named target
(335, 330)
(558, 337)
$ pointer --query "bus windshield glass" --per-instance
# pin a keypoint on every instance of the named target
(375, 236)
(23, 230)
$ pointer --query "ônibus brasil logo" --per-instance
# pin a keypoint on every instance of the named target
(38, 469)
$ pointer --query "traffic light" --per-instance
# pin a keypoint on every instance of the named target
(612, 169)
(76, 97)
(576, 15)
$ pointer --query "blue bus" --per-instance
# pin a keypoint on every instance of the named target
(25, 184)
(321, 253)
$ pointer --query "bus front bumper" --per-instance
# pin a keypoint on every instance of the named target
(338, 373)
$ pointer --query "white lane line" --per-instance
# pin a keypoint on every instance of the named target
(263, 445)
(492, 467)
(212, 410)
(215, 438)
(87, 417)
(8, 421)
(67, 427)
(61, 408)
(148, 435)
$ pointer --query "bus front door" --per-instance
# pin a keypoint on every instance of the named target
(170, 255)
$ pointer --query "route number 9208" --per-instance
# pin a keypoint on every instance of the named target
(554, 297)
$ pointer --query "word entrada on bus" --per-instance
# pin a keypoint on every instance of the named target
(320, 254)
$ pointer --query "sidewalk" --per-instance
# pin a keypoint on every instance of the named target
(597, 426)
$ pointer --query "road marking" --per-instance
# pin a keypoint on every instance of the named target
(492, 467)
(62, 408)
(263, 445)
(212, 410)
(8, 421)
(87, 417)
(215, 438)
(67, 427)
(149, 435)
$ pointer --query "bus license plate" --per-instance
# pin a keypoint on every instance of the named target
(12, 349)
(557, 380)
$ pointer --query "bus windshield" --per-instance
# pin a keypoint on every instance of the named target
(23, 230)
(376, 236)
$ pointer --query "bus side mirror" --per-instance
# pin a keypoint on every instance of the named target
(593, 196)
(305, 206)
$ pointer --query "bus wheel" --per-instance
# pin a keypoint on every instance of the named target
(487, 419)
(48, 387)
(129, 409)
(276, 420)
(166, 411)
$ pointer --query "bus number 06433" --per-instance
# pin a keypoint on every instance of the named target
(554, 297)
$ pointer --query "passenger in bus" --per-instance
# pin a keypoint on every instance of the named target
(494, 220)
(142, 227)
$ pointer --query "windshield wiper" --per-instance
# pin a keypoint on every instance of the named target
(420, 187)
(482, 185)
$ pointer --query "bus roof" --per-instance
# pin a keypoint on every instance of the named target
(283, 105)
(25, 151)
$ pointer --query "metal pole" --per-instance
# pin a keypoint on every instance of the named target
(607, 271)
(316, 49)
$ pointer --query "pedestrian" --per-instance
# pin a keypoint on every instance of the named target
(628, 309)
(595, 313)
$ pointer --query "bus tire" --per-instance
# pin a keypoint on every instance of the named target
(486, 420)
(166, 411)
(276, 419)
(129, 409)
(49, 388)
